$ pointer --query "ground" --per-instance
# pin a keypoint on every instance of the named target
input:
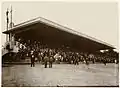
(60, 74)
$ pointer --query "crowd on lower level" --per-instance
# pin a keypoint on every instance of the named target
(59, 54)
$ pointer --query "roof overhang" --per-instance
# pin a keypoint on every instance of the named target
(39, 22)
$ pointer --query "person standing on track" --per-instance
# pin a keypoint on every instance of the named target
(86, 60)
(50, 61)
(76, 61)
(104, 61)
(32, 59)
(39, 57)
(46, 60)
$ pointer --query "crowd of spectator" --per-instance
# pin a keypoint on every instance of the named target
(60, 55)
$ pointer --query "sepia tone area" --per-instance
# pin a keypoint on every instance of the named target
(74, 59)
(60, 75)
(40, 52)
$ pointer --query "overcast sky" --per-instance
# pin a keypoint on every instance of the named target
(96, 19)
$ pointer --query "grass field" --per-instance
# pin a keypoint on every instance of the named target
(60, 74)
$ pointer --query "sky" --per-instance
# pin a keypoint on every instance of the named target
(96, 19)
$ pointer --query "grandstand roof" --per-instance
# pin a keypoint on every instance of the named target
(41, 26)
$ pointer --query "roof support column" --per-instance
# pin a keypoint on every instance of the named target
(12, 40)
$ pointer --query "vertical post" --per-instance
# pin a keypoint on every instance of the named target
(13, 40)
(11, 23)
(10, 40)
(7, 24)
(11, 35)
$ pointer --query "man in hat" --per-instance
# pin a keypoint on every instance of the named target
(50, 61)
(32, 59)
(46, 60)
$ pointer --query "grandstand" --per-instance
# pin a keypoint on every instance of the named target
(42, 35)
(55, 35)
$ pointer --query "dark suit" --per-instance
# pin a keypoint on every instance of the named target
(50, 62)
(45, 61)
(32, 60)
